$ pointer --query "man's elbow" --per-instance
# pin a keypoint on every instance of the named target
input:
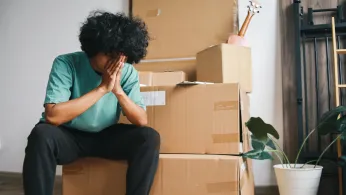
(52, 120)
(142, 122)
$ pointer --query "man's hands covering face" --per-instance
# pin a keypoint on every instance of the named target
(111, 76)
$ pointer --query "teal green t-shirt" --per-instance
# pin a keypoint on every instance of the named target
(72, 76)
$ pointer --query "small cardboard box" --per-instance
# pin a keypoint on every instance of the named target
(177, 174)
(226, 63)
(198, 118)
(161, 78)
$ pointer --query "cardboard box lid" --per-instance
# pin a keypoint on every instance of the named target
(181, 28)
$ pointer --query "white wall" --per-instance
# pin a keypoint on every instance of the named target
(31, 36)
(32, 33)
(266, 98)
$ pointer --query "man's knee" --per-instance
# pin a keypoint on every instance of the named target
(41, 133)
(151, 136)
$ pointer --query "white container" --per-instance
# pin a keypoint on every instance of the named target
(299, 180)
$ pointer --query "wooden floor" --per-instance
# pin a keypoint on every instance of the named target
(11, 184)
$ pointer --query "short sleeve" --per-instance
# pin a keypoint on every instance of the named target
(59, 83)
(131, 86)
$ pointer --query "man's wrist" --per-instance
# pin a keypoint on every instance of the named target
(102, 90)
(118, 93)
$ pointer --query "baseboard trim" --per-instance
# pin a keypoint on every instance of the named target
(17, 177)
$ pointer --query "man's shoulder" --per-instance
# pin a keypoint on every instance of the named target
(71, 57)
(69, 61)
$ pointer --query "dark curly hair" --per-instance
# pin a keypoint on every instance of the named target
(109, 33)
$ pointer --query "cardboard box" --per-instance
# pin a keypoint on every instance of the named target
(188, 66)
(161, 78)
(181, 28)
(226, 63)
(177, 174)
(198, 119)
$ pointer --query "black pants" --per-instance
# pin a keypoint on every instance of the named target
(49, 146)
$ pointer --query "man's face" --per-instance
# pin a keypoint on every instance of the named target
(101, 60)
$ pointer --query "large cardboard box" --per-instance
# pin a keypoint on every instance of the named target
(226, 63)
(177, 174)
(187, 66)
(161, 78)
(198, 119)
(181, 28)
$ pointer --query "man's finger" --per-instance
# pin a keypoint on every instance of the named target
(120, 66)
(109, 62)
(114, 64)
(118, 71)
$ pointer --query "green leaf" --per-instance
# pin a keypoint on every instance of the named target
(253, 153)
(343, 135)
(260, 145)
(265, 156)
(342, 161)
(257, 144)
(257, 155)
(329, 121)
(341, 124)
(271, 144)
(260, 129)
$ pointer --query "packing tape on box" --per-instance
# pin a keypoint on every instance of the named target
(225, 138)
(226, 105)
(220, 187)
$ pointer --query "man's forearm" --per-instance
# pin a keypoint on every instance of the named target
(135, 114)
(61, 113)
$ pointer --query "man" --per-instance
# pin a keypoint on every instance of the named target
(85, 95)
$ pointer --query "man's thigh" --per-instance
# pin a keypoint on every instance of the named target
(65, 144)
(121, 141)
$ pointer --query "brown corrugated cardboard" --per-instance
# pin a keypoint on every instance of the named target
(225, 63)
(188, 66)
(161, 78)
(145, 78)
(198, 119)
(181, 28)
(177, 174)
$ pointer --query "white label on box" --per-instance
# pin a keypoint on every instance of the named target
(241, 147)
(154, 98)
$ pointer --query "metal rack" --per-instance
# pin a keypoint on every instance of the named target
(314, 39)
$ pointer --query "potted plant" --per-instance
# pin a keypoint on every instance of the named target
(294, 178)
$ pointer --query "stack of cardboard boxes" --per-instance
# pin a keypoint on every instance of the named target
(199, 107)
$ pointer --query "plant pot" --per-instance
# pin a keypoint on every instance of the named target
(299, 180)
